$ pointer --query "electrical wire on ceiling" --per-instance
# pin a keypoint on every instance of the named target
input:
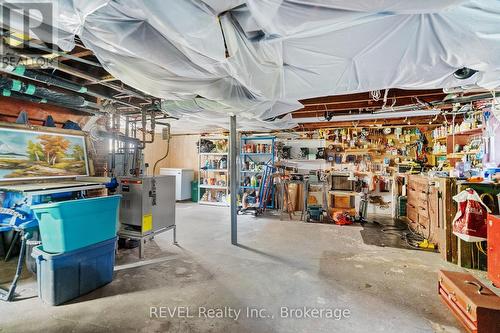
(386, 92)
(167, 135)
(419, 101)
(464, 108)
(433, 119)
(494, 105)
(258, 81)
(375, 95)
(394, 101)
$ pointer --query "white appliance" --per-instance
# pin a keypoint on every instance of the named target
(183, 179)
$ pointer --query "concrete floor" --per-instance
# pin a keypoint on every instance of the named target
(278, 264)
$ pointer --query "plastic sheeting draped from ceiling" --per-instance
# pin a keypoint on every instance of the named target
(281, 51)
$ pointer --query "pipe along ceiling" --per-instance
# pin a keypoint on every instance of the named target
(44, 94)
(22, 72)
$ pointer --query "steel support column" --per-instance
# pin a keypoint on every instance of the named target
(233, 179)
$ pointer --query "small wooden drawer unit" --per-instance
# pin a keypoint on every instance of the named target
(422, 206)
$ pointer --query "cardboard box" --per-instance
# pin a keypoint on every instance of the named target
(342, 201)
(100, 192)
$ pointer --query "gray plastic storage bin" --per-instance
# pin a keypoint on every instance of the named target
(65, 276)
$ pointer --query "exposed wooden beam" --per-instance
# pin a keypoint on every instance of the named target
(366, 123)
(80, 54)
(11, 107)
(365, 96)
(319, 113)
(108, 78)
(322, 113)
(397, 122)
(356, 105)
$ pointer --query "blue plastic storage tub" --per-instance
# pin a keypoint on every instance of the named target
(70, 225)
(65, 276)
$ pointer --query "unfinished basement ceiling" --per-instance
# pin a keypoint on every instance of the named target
(257, 58)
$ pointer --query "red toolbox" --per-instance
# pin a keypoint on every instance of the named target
(473, 304)
(494, 249)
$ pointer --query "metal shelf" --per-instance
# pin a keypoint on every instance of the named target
(217, 187)
(212, 173)
(258, 138)
(216, 137)
(321, 160)
(461, 154)
(255, 154)
(267, 158)
(468, 132)
(213, 203)
(212, 154)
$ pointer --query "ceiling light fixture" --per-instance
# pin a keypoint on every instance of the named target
(464, 73)
(370, 116)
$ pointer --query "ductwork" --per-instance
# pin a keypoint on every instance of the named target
(22, 71)
(72, 101)
(72, 71)
(38, 100)
(14, 94)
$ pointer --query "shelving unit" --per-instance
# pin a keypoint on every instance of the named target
(257, 154)
(461, 138)
(214, 186)
(213, 181)
(298, 160)
(213, 154)
(471, 131)
(460, 154)
(465, 137)
(252, 162)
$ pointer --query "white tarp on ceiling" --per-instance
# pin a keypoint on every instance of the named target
(256, 58)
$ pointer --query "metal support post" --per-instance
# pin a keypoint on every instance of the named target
(233, 181)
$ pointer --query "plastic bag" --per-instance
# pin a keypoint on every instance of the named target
(469, 223)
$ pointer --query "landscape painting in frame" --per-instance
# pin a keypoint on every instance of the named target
(39, 155)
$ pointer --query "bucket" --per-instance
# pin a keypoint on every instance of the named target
(194, 191)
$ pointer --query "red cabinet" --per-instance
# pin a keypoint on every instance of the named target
(494, 249)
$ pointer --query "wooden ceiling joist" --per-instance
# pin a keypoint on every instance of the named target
(79, 54)
(365, 96)
(360, 103)
(424, 121)
(357, 105)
